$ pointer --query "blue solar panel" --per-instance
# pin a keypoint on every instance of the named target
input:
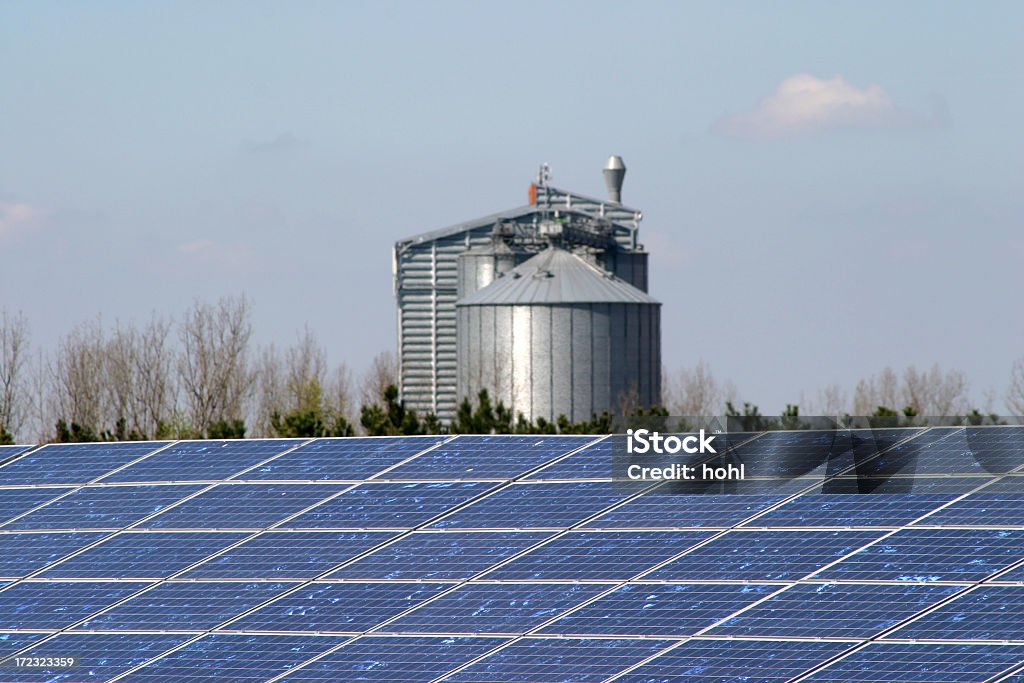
(186, 605)
(1001, 504)
(607, 556)
(794, 454)
(441, 556)
(592, 462)
(733, 661)
(992, 450)
(131, 555)
(933, 555)
(73, 463)
(658, 510)
(494, 608)
(488, 457)
(10, 451)
(986, 613)
(394, 660)
(280, 555)
(558, 659)
(15, 502)
(659, 610)
(338, 607)
(58, 604)
(233, 658)
(243, 506)
(837, 509)
(540, 505)
(10, 643)
(97, 656)
(343, 459)
(388, 506)
(203, 460)
(22, 554)
(764, 555)
(921, 662)
(103, 507)
(834, 610)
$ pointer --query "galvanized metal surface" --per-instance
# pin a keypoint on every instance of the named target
(556, 276)
(426, 269)
(574, 359)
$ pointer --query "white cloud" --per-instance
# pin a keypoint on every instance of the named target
(17, 216)
(196, 247)
(805, 104)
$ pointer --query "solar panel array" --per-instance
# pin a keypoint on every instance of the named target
(513, 558)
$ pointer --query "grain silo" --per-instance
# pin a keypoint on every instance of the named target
(435, 269)
(559, 335)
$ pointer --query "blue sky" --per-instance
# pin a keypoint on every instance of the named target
(828, 188)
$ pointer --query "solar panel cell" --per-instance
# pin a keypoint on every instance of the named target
(243, 506)
(234, 658)
(494, 608)
(834, 610)
(338, 607)
(568, 660)
(280, 555)
(488, 457)
(103, 507)
(97, 656)
(73, 463)
(540, 505)
(440, 556)
(186, 606)
(22, 554)
(669, 611)
(394, 660)
(58, 604)
(606, 556)
(343, 459)
(203, 460)
(921, 662)
(131, 555)
(764, 555)
(388, 506)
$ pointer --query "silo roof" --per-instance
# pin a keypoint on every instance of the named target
(556, 276)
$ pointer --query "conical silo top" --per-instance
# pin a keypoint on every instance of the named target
(556, 276)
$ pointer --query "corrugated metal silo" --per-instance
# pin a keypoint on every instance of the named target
(479, 266)
(559, 336)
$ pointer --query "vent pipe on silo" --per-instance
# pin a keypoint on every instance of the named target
(614, 172)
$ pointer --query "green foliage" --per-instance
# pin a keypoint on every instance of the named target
(750, 419)
(391, 419)
(6, 438)
(309, 423)
(226, 429)
(76, 433)
(790, 418)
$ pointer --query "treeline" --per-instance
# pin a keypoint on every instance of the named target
(200, 376)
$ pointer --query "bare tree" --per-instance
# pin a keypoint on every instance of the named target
(880, 390)
(1015, 394)
(339, 393)
(14, 347)
(270, 390)
(928, 393)
(79, 377)
(213, 365)
(139, 378)
(155, 390)
(306, 377)
(696, 392)
(383, 372)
